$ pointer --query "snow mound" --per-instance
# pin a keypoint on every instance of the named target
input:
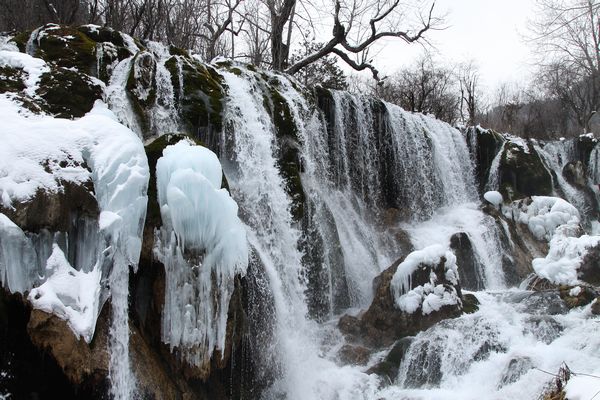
(430, 296)
(203, 246)
(564, 258)
(70, 294)
(493, 197)
(544, 215)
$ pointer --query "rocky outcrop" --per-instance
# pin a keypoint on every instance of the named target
(470, 275)
(383, 322)
(522, 172)
(589, 269)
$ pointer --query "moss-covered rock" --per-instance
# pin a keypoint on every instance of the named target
(11, 80)
(199, 92)
(21, 39)
(141, 87)
(66, 47)
(286, 131)
(522, 173)
(68, 94)
(488, 144)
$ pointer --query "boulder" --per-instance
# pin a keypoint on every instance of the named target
(589, 269)
(522, 172)
(470, 275)
(383, 323)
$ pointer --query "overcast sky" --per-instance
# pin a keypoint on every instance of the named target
(487, 31)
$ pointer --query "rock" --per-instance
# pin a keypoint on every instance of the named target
(65, 47)
(522, 173)
(589, 269)
(389, 366)
(355, 355)
(469, 271)
(577, 296)
(55, 211)
(515, 369)
(596, 306)
(574, 173)
(470, 303)
(79, 361)
(383, 323)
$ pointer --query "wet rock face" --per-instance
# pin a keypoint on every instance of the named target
(574, 173)
(522, 173)
(589, 270)
(53, 211)
(488, 144)
(383, 323)
(470, 275)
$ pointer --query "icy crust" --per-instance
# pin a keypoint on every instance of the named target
(555, 220)
(430, 296)
(41, 152)
(70, 294)
(544, 215)
(203, 246)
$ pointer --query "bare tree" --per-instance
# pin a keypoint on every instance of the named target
(358, 24)
(424, 87)
(468, 79)
(567, 36)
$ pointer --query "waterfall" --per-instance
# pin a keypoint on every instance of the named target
(493, 180)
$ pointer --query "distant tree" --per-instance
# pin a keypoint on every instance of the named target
(468, 80)
(567, 36)
(424, 87)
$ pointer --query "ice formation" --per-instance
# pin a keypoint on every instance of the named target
(430, 296)
(40, 153)
(543, 215)
(203, 246)
(555, 220)
(493, 197)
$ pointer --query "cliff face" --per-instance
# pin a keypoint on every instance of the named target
(178, 229)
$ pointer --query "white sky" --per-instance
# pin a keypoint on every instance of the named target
(487, 31)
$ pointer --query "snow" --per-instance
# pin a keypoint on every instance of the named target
(430, 296)
(557, 221)
(583, 387)
(69, 294)
(544, 215)
(576, 291)
(493, 197)
(564, 258)
(203, 246)
(34, 67)
(40, 153)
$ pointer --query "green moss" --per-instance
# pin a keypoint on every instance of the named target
(11, 80)
(67, 47)
(103, 34)
(203, 92)
(142, 80)
(289, 157)
(235, 71)
(251, 67)
(470, 303)
(67, 93)
(21, 40)
(176, 51)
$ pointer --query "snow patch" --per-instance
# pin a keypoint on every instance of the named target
(430, 297)
(69, 294)
(493, 197)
